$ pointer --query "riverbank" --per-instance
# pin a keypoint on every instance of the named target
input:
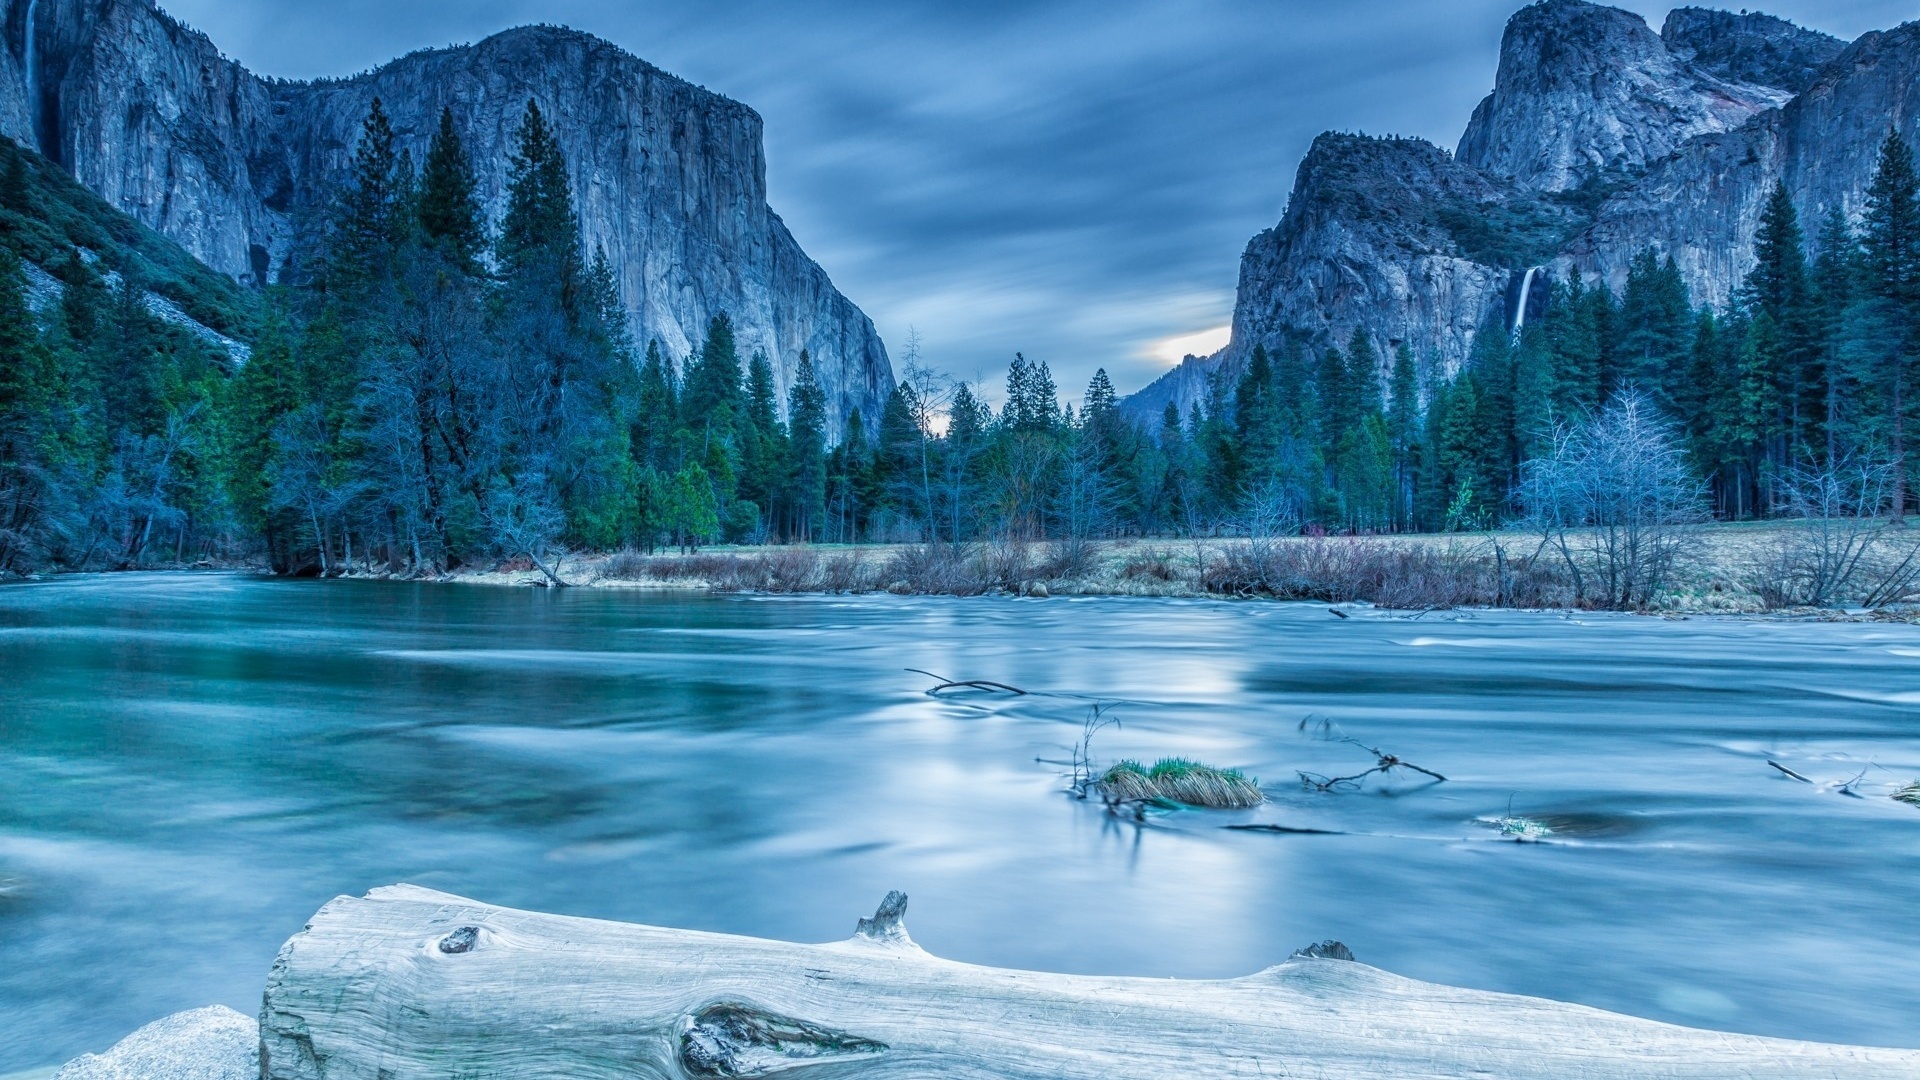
(1724, 569)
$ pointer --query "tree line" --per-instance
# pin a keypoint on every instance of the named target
(436, 389)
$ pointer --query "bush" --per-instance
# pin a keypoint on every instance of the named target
(1406, 576)
(1154, 564)
(938, 569)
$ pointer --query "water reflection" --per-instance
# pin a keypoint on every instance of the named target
(193, 764)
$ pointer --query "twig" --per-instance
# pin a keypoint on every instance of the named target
(1789, 772)
(1847, 788)
(966, 684)
(1337, 612)
(1383, 762)
(1083, 774)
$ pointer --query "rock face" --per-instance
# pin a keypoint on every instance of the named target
(214, 1043)
(1749, 47)
(1387, 234)
(1600, 140)
(670, 179)
(1586, 93)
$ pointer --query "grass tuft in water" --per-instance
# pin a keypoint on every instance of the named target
(1909, 794)
(1182, 781)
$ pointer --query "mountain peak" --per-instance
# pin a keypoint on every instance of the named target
(1749, 47)
(1588, 93)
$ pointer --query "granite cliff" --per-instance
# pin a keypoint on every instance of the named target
(670, 179)
(1600, 139)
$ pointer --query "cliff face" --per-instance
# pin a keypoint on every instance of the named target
(1702, 205)
(1587, 93)
(1382, 233)
(670, 179)
(1749, 47)
(1601, 139)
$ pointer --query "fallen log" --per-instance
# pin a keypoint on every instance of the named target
(411, 984)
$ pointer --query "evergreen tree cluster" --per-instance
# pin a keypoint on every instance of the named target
(1815, 362)
(440, 389)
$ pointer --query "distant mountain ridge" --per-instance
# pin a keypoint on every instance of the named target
(1600, 139)
(669, 179)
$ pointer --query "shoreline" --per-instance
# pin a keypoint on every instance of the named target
(1413, 573)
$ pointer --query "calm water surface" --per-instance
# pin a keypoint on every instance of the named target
(190, 765)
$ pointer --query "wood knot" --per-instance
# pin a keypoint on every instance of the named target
(461, 940)
(742, 1040)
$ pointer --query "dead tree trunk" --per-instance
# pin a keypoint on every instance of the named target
(411, 984)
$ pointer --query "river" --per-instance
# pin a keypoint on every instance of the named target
(193, 763)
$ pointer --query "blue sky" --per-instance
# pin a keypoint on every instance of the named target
(1074, 180)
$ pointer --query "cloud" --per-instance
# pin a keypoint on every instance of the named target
(1072, 179)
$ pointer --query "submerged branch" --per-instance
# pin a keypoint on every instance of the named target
(1383, 762)
(966, 684)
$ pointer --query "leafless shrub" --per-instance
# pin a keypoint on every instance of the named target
(936, 568)
(709, 567)
(1615, 499)
(847, 572)
(1830, 553)
(628, 565)
(1405, 576)
(1154, 564)
(1007, 564)
(1068, 558)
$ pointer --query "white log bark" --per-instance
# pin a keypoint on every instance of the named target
(411, 984)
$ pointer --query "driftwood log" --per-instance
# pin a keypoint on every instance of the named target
(411, 984)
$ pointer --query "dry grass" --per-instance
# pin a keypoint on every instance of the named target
(1409, 573)
(1181, 781)
(1909, 794)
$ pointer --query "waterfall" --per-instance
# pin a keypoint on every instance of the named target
(1526, 292)
(28, 61)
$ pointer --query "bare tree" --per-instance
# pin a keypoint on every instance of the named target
(1615, 498)
(1838, 547)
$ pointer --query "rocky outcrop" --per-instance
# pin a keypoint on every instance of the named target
(1392, 235)
(670, 179)
(1702, 204)
(1600, 140)
(1587, 93)
(1749, 47)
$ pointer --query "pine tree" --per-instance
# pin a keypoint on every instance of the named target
(807, 424)
(711, 398)
(1044, 404)
(370, 221)
(1171, 435)
(1654, 330)
(1890, 247)
(1403, 433)
(539, 244)
(449, 209)
(763, 465)
(1257, 425)
(1834, 271)
(1100, 399)
(1777, 290)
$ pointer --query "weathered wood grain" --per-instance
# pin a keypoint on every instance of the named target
(411, 984)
